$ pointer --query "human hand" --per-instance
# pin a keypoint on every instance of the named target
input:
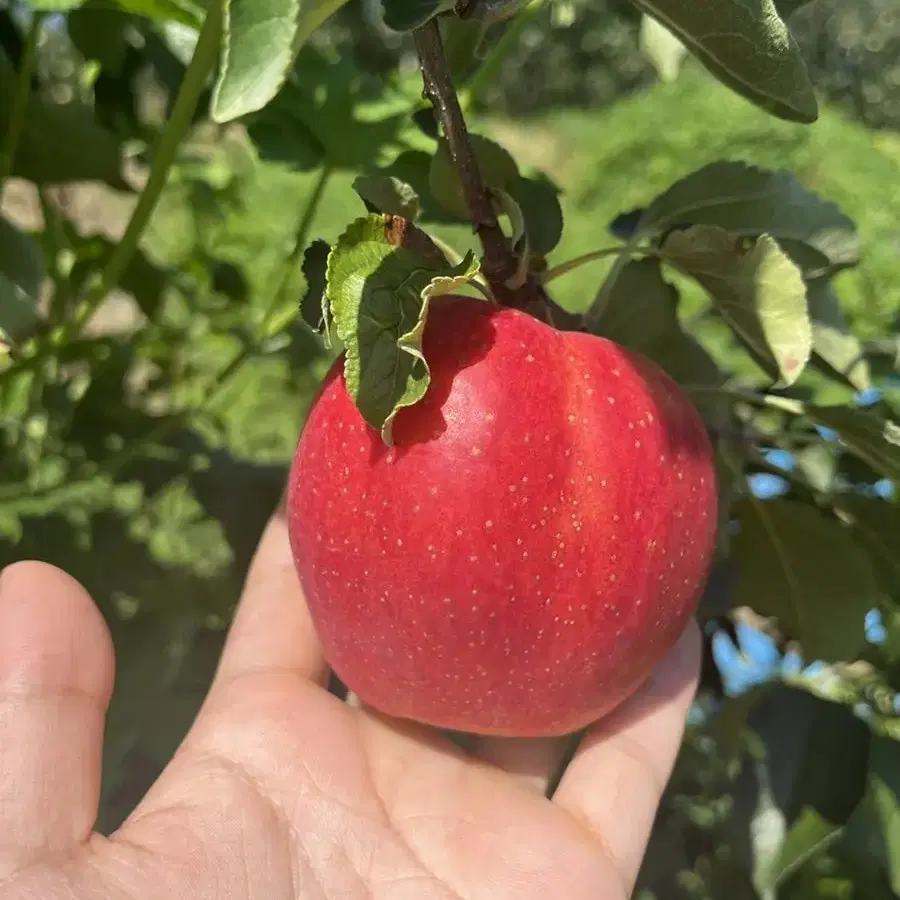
(282, 792)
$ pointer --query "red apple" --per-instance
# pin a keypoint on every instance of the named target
(531, 546)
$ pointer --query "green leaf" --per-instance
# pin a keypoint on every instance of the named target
(407, 15)
(686, 360)
(747, 46)
(99, 32)
(463, 44)
(54, 5)
(538, 200)
(877, 524)
(804, 569)
(641, 309)
(818, 464)
(378, 287)
(806, 781)
(260, 41)
(60, 142)
(663, 48)
(750, 201)
(22, 274)
(873, 834)
(865, 433)
(314, 306)
(757, 290)
(838, 350)
(329, 111)
(184, 12)
(498, 170)
(641, 314)
(387, 194)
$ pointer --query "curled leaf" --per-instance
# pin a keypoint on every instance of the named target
(387, 194)
(757, 290)
(381, 275)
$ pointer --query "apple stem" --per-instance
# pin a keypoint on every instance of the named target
(499, 263)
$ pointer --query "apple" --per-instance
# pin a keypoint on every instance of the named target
(529, 548)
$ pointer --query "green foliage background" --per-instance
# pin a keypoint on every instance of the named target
(144, 447)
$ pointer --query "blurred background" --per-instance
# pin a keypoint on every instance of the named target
(150, 469)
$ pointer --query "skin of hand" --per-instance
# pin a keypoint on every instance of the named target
(281, 791)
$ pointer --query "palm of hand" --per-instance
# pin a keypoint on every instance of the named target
(283, 791)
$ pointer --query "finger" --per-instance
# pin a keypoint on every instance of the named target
(614, 783)
(531, 761)
(272, 628)
(56, 677)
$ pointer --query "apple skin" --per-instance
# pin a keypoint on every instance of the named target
(532, 545)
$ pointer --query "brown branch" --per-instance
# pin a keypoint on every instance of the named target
(438, 89)
(499, 263)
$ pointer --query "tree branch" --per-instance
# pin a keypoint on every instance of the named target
(499, 263)
(439, 90)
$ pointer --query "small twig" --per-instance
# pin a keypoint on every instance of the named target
(439, 90)
(499, 264)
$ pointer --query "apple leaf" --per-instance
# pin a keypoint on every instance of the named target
(750, 201)
(260, 41)
(55, 5)
(757, 290)
(538, 200)
(463, 45)
(641, 314)
(314, 307)
(60, 143)
(407, 15)
(325, 112)
(873, 833)
(379, 283)
(804, 569)
(818, 464)
(876, 523)
(794, 799)
(22, 274)
(835, 348)
(100, 33)
(498, 170)
(641, 308)
(865, 433)
(387, 194)
(747, 46)
(184, 12)
(663, 48)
